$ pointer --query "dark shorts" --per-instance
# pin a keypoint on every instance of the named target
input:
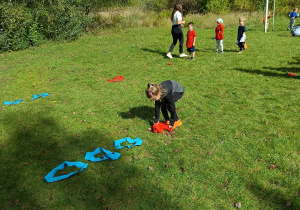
(192, 49)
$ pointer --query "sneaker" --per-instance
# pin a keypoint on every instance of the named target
(188, 58)
(221, 52)
(183, 55)
(192, 58)
(216, 52)
(169, 56)
(166, 122)
(177, 124)
(240, 52)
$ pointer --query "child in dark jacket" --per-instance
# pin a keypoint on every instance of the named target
(165, 95)
(241, 37)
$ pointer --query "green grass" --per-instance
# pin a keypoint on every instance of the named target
(240, 115)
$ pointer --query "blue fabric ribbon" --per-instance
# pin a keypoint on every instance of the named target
(35, 96)
(12, 102)
(136, 142)
(50, 177)
(108, 155)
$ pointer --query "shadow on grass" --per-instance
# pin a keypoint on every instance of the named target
(274, 196)
(276, 72)
(143, 112)
(163, 54)
(36, 144)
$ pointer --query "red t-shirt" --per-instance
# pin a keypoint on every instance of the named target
(219, 32)
(190, 38)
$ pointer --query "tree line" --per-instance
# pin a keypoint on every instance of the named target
(25, 23)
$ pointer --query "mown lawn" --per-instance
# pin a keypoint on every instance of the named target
(239, 141)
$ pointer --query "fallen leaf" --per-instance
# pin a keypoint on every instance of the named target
(168, 165)
(289, 203)
(25, 164)
(89, 127)
(149, 129)
(182, 170)
(150, 168)
(74, 113)
(133, 189)
(52, 197)
(210, 152)
(273, 167)
(167, 142)
(238, 205)
(98, 196)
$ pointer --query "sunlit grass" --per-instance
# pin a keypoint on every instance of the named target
(240, 115)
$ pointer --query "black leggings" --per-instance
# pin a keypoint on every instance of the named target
(177, 35)
(170, 106)
(242, 46)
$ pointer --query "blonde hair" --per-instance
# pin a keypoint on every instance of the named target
(242, 19)
(155, 92)
(295, 9)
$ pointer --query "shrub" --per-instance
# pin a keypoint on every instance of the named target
(157, 5)
(14, 26)
(218, 6)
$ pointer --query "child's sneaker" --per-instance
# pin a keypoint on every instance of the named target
(188, 58)
(221, 52)
(192, 58)
(169, 56)
(166, 122)
(216, 51)
(177, 123)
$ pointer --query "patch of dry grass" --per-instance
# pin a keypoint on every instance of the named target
(135, 17)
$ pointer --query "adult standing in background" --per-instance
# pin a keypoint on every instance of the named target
(177, 24)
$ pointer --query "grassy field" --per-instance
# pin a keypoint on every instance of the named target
(239, 141)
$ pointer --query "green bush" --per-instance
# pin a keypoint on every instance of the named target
(65, 22)
(157, 5)
(218, 6)
(15, 24)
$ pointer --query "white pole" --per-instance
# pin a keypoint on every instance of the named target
(273, 16)
(266, 17)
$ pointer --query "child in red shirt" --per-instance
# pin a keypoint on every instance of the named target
(219, 35)
(190, 43)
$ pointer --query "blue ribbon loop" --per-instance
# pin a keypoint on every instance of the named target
(35, 96)
(50, 177)
(108, 155)
(136, 142)
(12, 102)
